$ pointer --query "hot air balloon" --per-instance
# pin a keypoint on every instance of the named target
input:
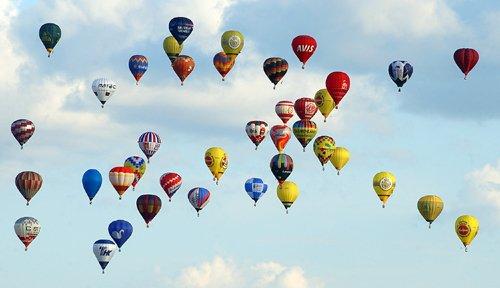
(339, 158)
(183, 65)
(223, 63)
(104, 250)
(27, 228)
(430, 206)
(256, 131)
(281, 166)
(121, 178)
(305, 108)
(120, 231)
(323, 148)
(280, 134)
(172, 48)
(170, 182)
(466, 59)
(149, 142)
(304, 131)
(284, 110)
(148, 206)
(103, 89)
(304, 46)
(180, 28)
(324, 102)
(232, 43)
(138, 166)
(216, 160)
(400, 71)
(255, 188)
(138, 64)
(275, 69)
(28, 183)
(91, 181)
(22, 130)
(466, 227)
(198, 197)
(384, 184)
(50, 34)
(287, 192)
(337, 83)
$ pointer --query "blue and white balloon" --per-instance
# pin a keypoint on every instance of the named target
(255, 188)
(104, 250)
(120, 231)
(400, 72)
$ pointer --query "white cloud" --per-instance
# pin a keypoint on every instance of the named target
(12, 59)
(406, 18)
(485, 183)
(223, 273)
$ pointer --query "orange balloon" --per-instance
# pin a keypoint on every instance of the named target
(183, 66)
(223, 63)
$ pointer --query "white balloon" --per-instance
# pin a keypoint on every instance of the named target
(27, 228)
(103, 89)
(104, 250)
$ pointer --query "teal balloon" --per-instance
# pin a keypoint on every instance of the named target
(50, 34)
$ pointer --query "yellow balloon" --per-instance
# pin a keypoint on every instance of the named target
(232, 42)
(384, 184)
(287, 192)
(430, 206)
(323, 148)
(172, 48)
(339, 158)
(324, 102)
(466, 228)
(216, 160)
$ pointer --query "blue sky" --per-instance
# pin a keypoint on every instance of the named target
(439, 136)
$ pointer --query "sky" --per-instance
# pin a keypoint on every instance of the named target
(438, 136)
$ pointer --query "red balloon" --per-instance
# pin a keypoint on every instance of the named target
(305, 108)
(466, 59)
(304, 46)
(337, 84)
(183, 66)
(148, 206)
(170, 182)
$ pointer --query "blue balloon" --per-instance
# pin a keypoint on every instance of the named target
(138, 65)
(120, 231)
(91, 181)
(180, 28)
(255, 188)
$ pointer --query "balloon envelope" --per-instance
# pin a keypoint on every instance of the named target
(323, 148)
(384, 184)
(149, 142)
(287, 193)
(280, 134)
(198, 197)
(304, 131)
(223, 63)
(183, 65)
(430, 206)
(27, 229)
(180, 28)
(305, 108)
(216, 161)
(255, 188)
(339, 158)
(232, 43)
(22, 130)
(50, 34)
(466, 59)
(120, 231)
(91, 181)
(170, 182)
(148, 206)
(275, 69)
(138, 64)
(121, 178)
(172, 48)
(104, 250)
(466, 227)
(400, 71)
(28, 183)
(138, 166)
(256, 131)
(281, 166)
(337, 83)
(284, 109)
(304, 46)
(103, 89)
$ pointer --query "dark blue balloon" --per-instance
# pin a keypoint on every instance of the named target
(120, 231)
(91, 181)
(180, 28)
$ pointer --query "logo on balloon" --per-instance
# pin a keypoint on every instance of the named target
(385, 184)
(209, 160)
(463, 229)
(234, 42)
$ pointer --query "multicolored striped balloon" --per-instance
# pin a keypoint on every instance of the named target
(138, 165)
(28, 183)
(121, 178)
(304, 131)
(148, 206)
(199, 197)
(275, 69)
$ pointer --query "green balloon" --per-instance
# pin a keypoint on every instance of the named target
(50, 34)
